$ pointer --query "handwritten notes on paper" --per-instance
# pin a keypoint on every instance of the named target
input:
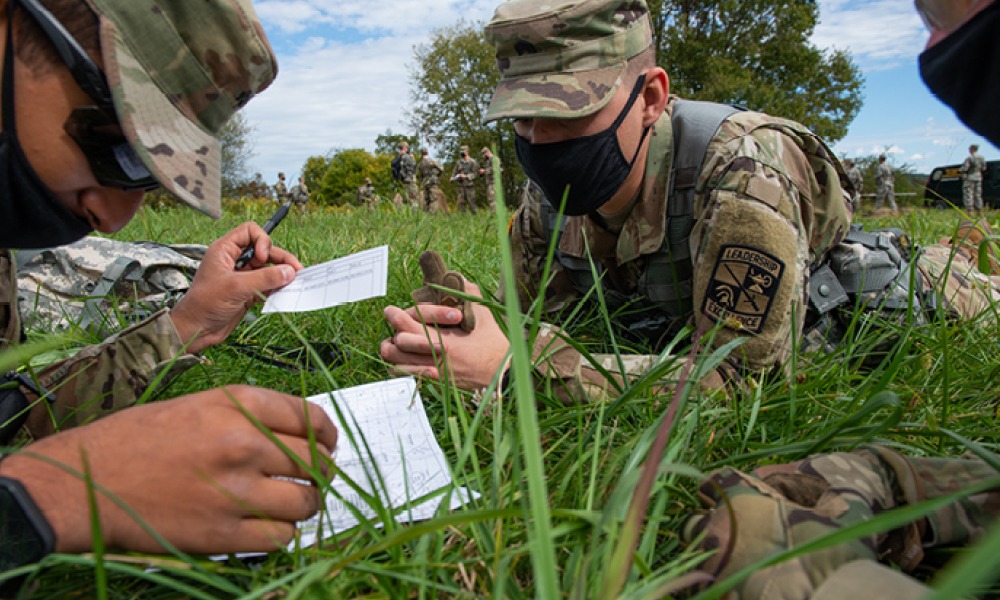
(393, 456)
(348, 279)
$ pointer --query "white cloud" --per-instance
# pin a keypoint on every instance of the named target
(880, 34)
(342, 76)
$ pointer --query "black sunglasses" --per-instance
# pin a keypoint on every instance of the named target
(94, 128)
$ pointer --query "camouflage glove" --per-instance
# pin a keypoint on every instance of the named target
(786, 505)
(437, 274)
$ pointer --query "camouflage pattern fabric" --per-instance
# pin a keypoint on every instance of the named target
(178, 71)
(55, 283)
(408, 172)
(429, 173)
(769, 193)
(367, 195)
(972, 181)
(281, 191)
(950, 269)
(486, 174)
(98, 379)
(464, 175)
(858, 183)
(778, 507)
(885, 187)
(568, 74)
(300, 194)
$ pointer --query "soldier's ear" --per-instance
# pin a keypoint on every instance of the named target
(655, 93)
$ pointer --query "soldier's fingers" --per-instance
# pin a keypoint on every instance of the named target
(266, 279)
(434, 314)
(415, 361)
(422, 344)
(278, 256)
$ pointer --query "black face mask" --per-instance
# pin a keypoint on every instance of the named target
(593, 166)
(30, 215)
(963, 70)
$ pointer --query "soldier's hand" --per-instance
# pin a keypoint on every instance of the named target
(439, 285)
(427, 343)
(196, 470)
(220, 295)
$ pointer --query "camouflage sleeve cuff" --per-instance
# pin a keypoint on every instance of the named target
(560, 369)
(112, 375)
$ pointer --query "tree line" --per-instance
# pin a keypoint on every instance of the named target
(751, 53)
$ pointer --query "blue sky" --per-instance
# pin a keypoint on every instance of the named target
(344, 78)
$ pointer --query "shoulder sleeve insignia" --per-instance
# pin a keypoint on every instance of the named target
(742, 288)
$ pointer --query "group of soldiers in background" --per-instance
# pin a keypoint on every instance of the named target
(299, 194)
(885, 185)
(422, 181)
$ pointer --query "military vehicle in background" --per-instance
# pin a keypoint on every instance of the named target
(944, 186)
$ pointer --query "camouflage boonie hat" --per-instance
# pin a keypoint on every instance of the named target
(178, 70)
(563, 60)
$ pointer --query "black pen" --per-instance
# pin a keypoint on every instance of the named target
(268, 228)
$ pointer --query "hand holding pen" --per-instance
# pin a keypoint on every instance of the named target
(269, 226)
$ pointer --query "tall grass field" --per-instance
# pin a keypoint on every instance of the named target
(559, 514)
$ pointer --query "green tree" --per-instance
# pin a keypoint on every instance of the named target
(452, 82)
(236, 138)
(386, 143)
(336, 177)
(757, 54)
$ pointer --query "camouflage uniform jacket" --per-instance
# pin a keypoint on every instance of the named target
(98, 379)
(769, 201)
(429, 171)
(884, 177)
(408, 167)
(487, 167)
(468, 167)
(973, 167)
(281, 192)
(857, 178)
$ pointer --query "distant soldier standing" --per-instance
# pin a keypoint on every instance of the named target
(972, 180)
(429, 173)
(486, 172)
(408, 173)
(300, 194)
(858, 182)
(366, 194)
(464, 177)
(281, 190)
(885, 185)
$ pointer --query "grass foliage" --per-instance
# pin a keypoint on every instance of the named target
(559, 515)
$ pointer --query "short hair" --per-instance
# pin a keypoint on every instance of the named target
(34, 47)
(640, 63)
(403, 146)
(974, 147)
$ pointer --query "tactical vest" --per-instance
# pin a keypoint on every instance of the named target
(663, 300)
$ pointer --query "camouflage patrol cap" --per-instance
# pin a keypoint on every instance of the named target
(563, 59)
(178, 71)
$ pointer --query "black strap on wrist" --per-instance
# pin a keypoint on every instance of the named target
(25, 534)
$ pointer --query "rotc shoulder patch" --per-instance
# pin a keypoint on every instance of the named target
(742, 288)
